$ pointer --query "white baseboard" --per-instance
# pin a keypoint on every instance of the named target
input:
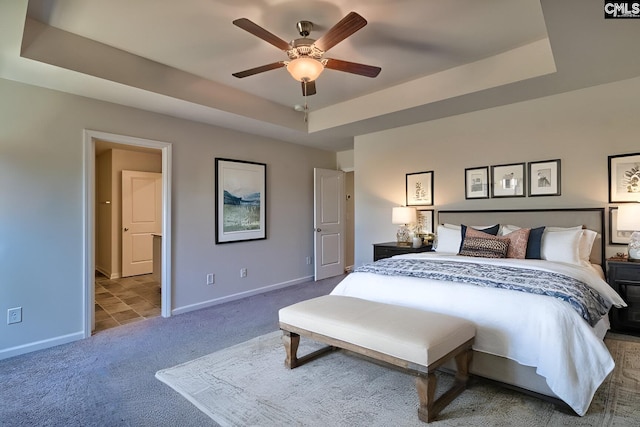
(40, 345)
(107, 274)
(229, 298)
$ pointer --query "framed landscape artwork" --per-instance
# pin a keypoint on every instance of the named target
(419, 188)
(476, 182)
(544, 178)
(624, 178)
(240, 200)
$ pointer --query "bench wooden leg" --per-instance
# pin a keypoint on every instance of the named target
(291, 341)
(426, 386)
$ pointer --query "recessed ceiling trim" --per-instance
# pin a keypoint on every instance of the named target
(526, 62)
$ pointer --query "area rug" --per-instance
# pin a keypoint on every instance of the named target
(248, 385)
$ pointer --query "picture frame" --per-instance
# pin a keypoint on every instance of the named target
(424, 221)
(508, 180)
(617, 237)
(476, 183)
(624, 178)
(544, 178)
(241, 200)
(419, 189)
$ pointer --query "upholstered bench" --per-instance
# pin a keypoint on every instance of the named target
(413, 339)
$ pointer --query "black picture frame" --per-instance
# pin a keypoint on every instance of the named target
(624, 178)
(545, 178)
(241, 200)
(419, 189)
(476, 183)
(424, 221)
(508, 180)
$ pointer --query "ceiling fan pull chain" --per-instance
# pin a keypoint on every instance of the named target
(306, 107)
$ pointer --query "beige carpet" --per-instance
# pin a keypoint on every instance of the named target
(248, 385)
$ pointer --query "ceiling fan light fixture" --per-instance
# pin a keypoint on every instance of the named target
(305, 69)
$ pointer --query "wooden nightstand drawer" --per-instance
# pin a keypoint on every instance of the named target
(389, 249)
(628, 272)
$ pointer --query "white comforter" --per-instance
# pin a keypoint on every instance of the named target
(534, 330)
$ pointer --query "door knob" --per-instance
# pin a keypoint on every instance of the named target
(318, 229)
(126, 229)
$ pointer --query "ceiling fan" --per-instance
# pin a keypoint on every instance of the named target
(306, 60)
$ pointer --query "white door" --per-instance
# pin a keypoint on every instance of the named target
(328, 223)
(141, 218)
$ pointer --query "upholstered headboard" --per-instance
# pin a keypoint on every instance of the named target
(591, 218)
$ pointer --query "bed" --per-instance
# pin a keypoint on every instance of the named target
(540, 322)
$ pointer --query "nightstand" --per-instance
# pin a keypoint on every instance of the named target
(624, 278)
(389, 249)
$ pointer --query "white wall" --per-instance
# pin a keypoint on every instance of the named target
(41, 206)
(581, 128)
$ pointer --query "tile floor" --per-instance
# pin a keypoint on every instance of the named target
(126, 300)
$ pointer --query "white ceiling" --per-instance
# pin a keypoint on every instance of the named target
(437, 57)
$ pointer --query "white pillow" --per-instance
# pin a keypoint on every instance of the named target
(448, 240)
(586, 240)
(561, 246)
(506, 229)
(586, 244)
(459, 227)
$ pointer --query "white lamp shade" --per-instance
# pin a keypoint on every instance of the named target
(305, 69)
(629, 217)
(403, 215)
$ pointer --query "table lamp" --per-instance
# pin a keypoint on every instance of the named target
(403, 216)
(629, 220)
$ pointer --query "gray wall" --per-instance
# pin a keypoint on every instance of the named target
(41, 207)
(581, 128)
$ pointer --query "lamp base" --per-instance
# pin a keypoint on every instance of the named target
(403, 237)
(634, 247)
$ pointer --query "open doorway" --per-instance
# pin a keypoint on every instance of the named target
(106, 261)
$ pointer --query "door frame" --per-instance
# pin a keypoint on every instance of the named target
(89, 200)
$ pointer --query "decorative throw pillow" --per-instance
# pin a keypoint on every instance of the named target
(492, 230)
(494, 247)
(518, 240)
(534, 243)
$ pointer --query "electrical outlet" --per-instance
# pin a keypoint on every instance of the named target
(243, 272)
(211, 279)
(309, 260)
(14, 315)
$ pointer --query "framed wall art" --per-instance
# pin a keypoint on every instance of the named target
(419, 187)
(544, 178)
(476, 183)
(241, 202)
(424, 222)
(624, 178)
(617, 237)
(508, 180)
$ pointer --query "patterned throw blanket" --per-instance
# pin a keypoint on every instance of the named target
(582, 298)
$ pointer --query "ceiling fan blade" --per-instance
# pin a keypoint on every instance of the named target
(353, 67)
(258, 31)
(309, 87)
(262, 69)
(343, 29)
